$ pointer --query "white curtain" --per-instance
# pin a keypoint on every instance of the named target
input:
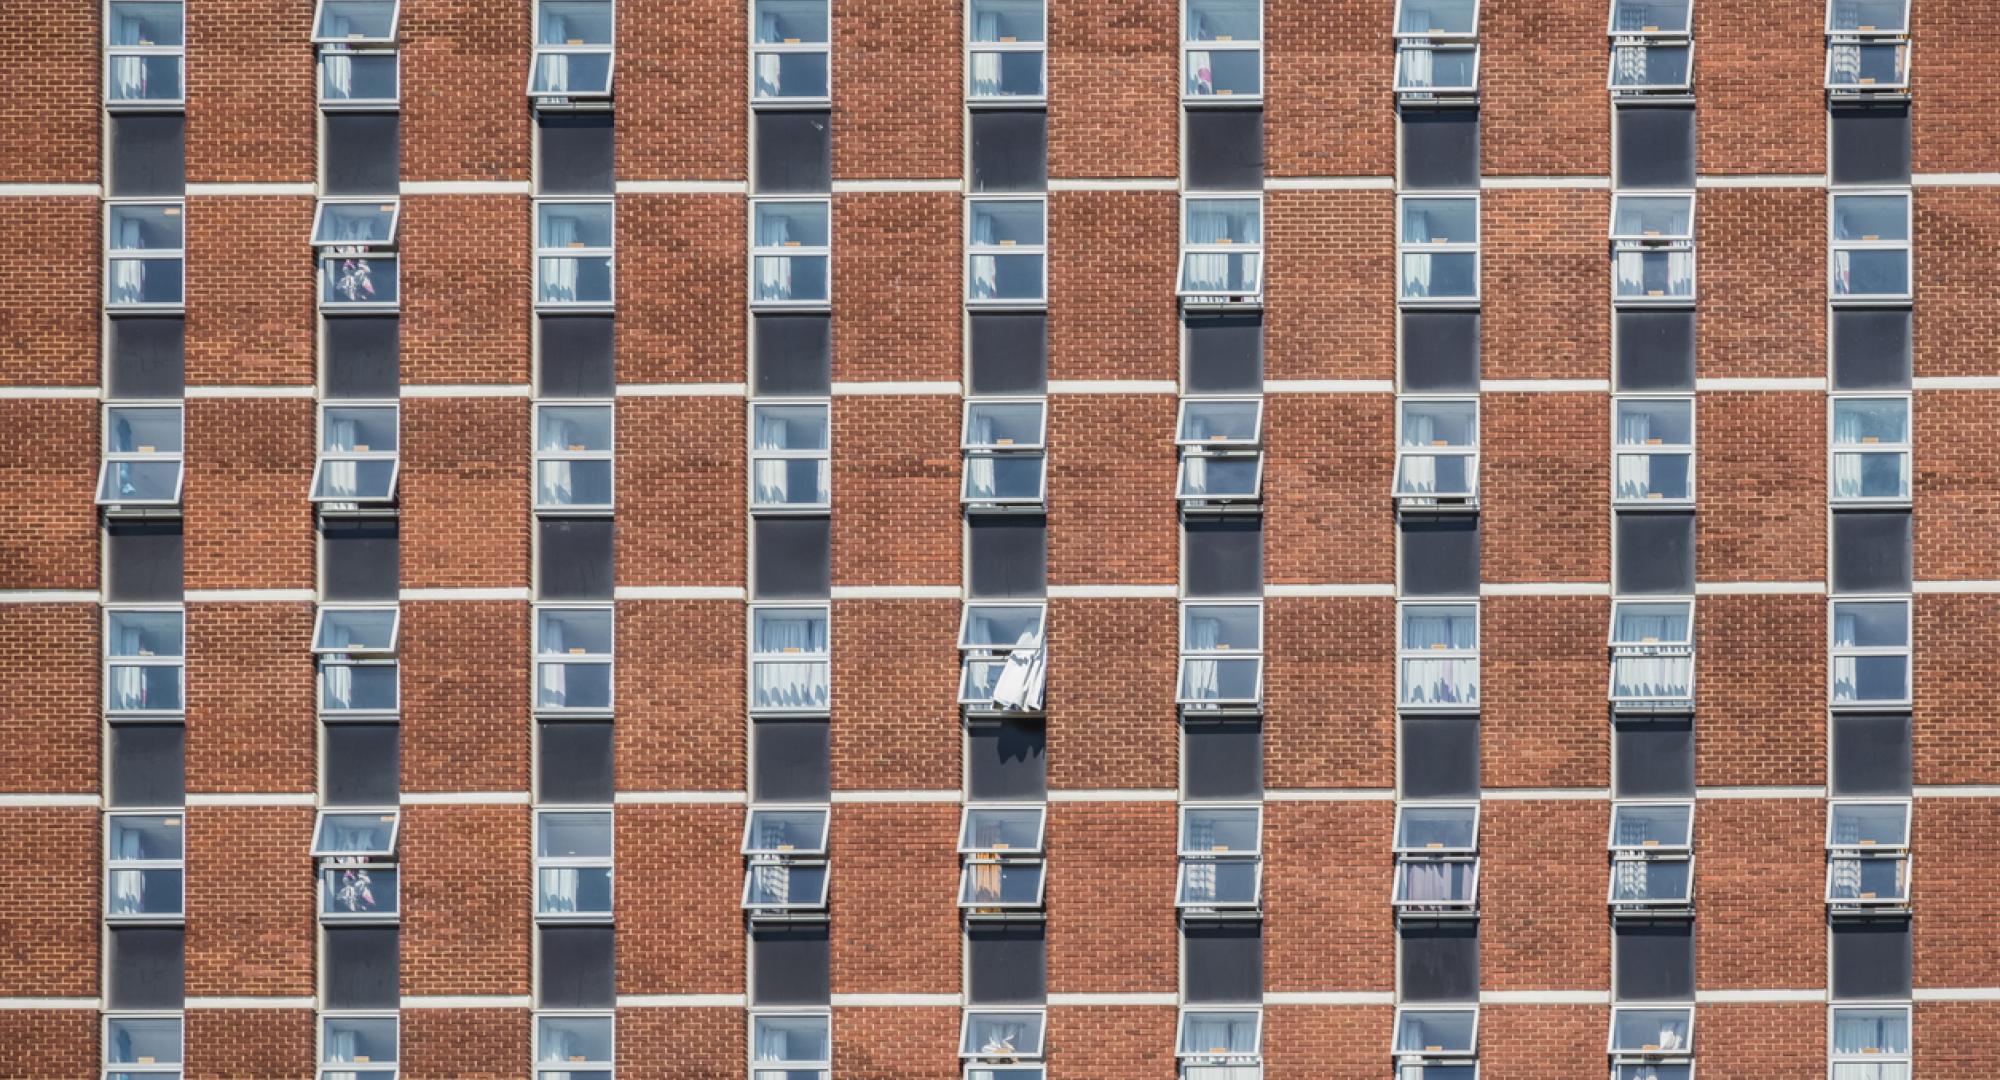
(342, 477)
(559, 886)
(1629, 61)
(1634, 471)
(1203, 677)
(128, 276)
(986, 65)
(128, 681)
(774, 274)
(1847, 431)
(339, 66)
(337, 683)
(554, 71)
(773, 475)
(128, 73)
(1651, 676)
(1417, 230)
(558, 435)
(1419, 470)
(1439, 680)
(767, 63)
(1859, 1033)
(128, 888)
(979, 478)
(1434, 880)
(1418, 68)
(555, 676)
(1019, 687)
(1230, 1035)
(1208, 272)
(793, 685)
(985, 268)
(558, 274)
(1001, 1038)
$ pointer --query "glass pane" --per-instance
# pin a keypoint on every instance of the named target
(1871, 217)
(573, 836)
(1218, 882)
(1860, 422)
(791, 22)
(1222, 273)
(358, 890)
(145, 838)
(782, 831)
(148, 1040)
(1013, 1072)
(1436, 828)
(1655, 423)
(1871, 625)
(1221, 627)
(142, 431)
(576, 280)
(357, 687)
(1003, 1034)
(1002, 883)
(574, 225)
(1871, 1070)
(1880, 16)
(998, 829)
(1885, 64)
(1220, 679)
(1440, 221)
(355, 833)
(144, 892)
(1224, 72)
(358, 76)
(791, 75)
(573, 686)
(1649, 624)
(1005, 277)
(1219, 421)
(1655, 476)
(1649, 16)
(357, 19)
(371, 479)
(1219, 830)
(789, 1038)
(1006, 223)
(371, 630)
(1651, 1030)
(148, 77)
(355, 223)
(358, 430)
(791, 224)
(1007, 424)
(1224, 221)
(1652, 678)
(795, 278)
(358, 1039)
(1218, 1032)
(1440, 423)
(1655, 274)
(145, 24)
(353, 279)
(792, 482)
(145, 228)
(1440, 627)
(1436, 881)
(1204, 475)
(572, 73)
(995, 626)
(1006, 21)
(147, 688)
(141, 481)
(1436, 474)
(145, 281)
(144, 633)
(978, 679)
(1437, 16)
(575, 631)
(1007, 74)
(1653, 215)
(1871, 476)
(575, 428)
(1640, 825)
(1871, 272)
(571, 890)
(1864, 1031)
(573, 1038)
(1010, 477)
(1654, 65)
(1430, 276)
(791, 427)
(785, 884)
(1640, 880)
(1224, 20)
(574, 483)
(780, 685)
(1868, 879)
(1435, 1031)
(1866, 824)
(1426, 68)
(1871, 678)
(574, 22)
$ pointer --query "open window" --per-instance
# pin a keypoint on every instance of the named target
(1003, 871)
(1870, 1042)
(355, 1046)
(1221, 462)
(355, 239)
(788, 52)
(573, 659)
(573, 865)
(1004, 656)
(573, 254)
(1646, 1034)
(1870, 256)
(356, 22)
(1438, 657)
(786, 871)
(145, 48)
(143, 1047)
(1006, 252)
(143, 466)
(1006, 461)
(788, 659)
(791, 1046)
(1871, 450)
(1868, 856)
(1221, 859)
(145, 258)
(1652, 248)
(1008, 39)
(1653, 455)
(1437, 859)
(1652, 867)
(1652, 655)
(1437, 453)
(1867, 48)
(356, 223)
(1001, 1034)
(1438, 248)
(1220, 1037)
(573, 457)
(573, 51)
(1222, 656)
(1429, 1041)
(145, 661)
(351, 834)
(1437, 51)
(573, 1046)
(1650, 48)
(358, 458)
(1222, 250)
(789, 457)
(1871, 653)
(368, 630)
(790, 251)
(1222, 51)
(145, 866)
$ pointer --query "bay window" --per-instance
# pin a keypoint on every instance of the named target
(788, 52)
(573, 659)
(1438, 246)
(1222, 655)
(1006, 252)
(1870, 255)
(358, 454)
(573, 254)
(1871, 652)
(573, 878)
(1653, 454)
(1006, 54)
(1222, 249)
(1222, 50)
(145, 866)
(573, 457)
(790, 253)
(788, 659)
(1652, 243)
(143, 466)
(1438, 656)
(145, 255)
(789, 462)
(1652, 654)
(145, 53)
(145, 661)
(573, 51)
(1871, 450)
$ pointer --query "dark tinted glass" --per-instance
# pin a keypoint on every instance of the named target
(1006, 963)
(574, 761)
(1440, 961)
(1871, 348)
(1871, 551)
(362, 357)
(789, 965)
(1440, 350)
(1655, 350)
(794, 152)
(793, 558)
(1223, 961)
(1440, 555)
(1006, 759)
(1871, 144)
(1225, 149)
(1225, 354)
(142, 561)
(362, 967)
(1655, 146)
(791, 760)
(362, 153)
(145, 357)
(148, 154)
(1223, 557)
(359, 558)
(361, 764)
(1007, 555)
(1440, 757)
(1010, 150)
(1655, 553)
(579, 357)
(1654, 758)
(575, 558)
(147, 766)
(794, 354)
(1654, 960)
(1871, 754)
(143, 967)
(1440, 148)
(576, 153)
(1871, 958)
(1010, 352)
(1222, 759)
(577, 967)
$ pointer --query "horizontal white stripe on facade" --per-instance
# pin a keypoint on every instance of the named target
(466, 187)
(1545, 588)
(1789, 180)
(1775, 791)
(1545, 794)
(37, 1004)
(48, 596)
(47, 392)
(913, 796)
(895, 1001)
(198, 392)
(1956, 382)
(1059, 1000)
(463, 798)
(1113, 592)
(49, 191)
(250, 1003)
(1757, 997)
(31, 799)
(1759, 588)
(1114, 795)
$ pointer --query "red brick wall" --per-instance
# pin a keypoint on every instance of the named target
(1545, 282)
(1544, 467)
(1325, 69)
(1543, 107)
(1760, 479)
(896, 90)
(1956, 306)
(49, 333)
(894, 1043)
(1113, 257)
(250, 698)
(682, 472)
(679, 877)
(675, 76)
(1330, 288)
(467, 899)
(680, 724)
(895, 490)
(251, 900)
(247, 521)
(1759, 70)
(897, 258)
(49, 672)
(49, 1042)
(681, 285)
(49, 455)
(1761, 272)
(1760, 1039)
(1090, 1041)
(1543, 681)
(1948, 50)
(1952, 907)
(250, 91)
(467, 267)
(1951, 1039)
(466, 674)
(1114, 79)
(1330, 460)
(486, 1044)
(1327, 877)
(1543, 924)
(1324, 1042)
(49, 923)
(1760, 690)
(1955, 501)
(1950, 654)
(682, 1044)
(1530, 1042)
(465, 78)
(1329, 692)
(1759, 889)
(246, 1044)
(252, 286)
(893, 902)
(48, 128)
(465, 491)
(1111, 475)
(895, 694)
(1110, 899)
(1110, 693)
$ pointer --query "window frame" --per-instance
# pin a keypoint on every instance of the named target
(392, 916)
(965, 616)
(1190, 296)
(332, 1070)
(1621, 1054)
(113, 254)
(777, 48)
(1401, 35)
(578, 252)
(542, 1068)
(973, 48)
(1190, 45)
(543, 659)
(1189, 858)
(320, 625)
(823, 455)
(1643, 244)
(1220, 443)
(165, 1070)
(974, 250)
(1666, 850)
(1904, 450)
(114, 865)
(759, 908)
(606, 862)
(1438, 1054)
(1650, 42)
(1405, 248)
(794, 250)
(1831, 29)
(751, 850)
(333, 714)
(112, 661)
(374, 258)
(386, 853)
(1183, 697)
(538, 49)
(1396, 845)
(113, 52)
(971, 450)
(823, 660)
(1861, 88)
(319, 21)
(324, 457)
(1405, 654)
(110, 457)
(1621, 449)
(1611, 24)
(542, 455)
(1408, 46)
(1039, 1018)
(1871, 1055)
(1434, 499)
(393, 204)
(1681, 650)
(1836, 247)
(1833, 806)
(327, 51)
(1210, 1056)
(966, 846)
(1836, 652)
(787, 1066)
(1674, 849)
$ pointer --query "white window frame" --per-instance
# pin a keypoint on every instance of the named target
(1183, 288)
(1857, 852)
(1648, 1051)
(1215, 1055)
(572, 657)
(1681, 650)
(1654, 243)
(113, 865)
(336, 1070)
(391, 882)
(319, 21)
(606, 862)
(1836, 449)
(966, 845)
(336, 714)
(1651, 849)
(1191, 858)
(1038, 1019)
(389, 203)
(1405, 454)
(1649, 43)
(1183, 692)
(145, 1066)
(1404, 655)
(1837, 652)
(113, 53)
(1678, 849)
(1611, 28)
(1897, 37)
(822, 660)
(1219, 443)
(1026, 1070)
(327, 456)
(974, 250)
(1836, 247)
(1191, 45)
(375, 258)
(118, 457)
(112, 661)
(560, 1070)
(1620, 449)
(579, 252)
(791, 250)
(540, 49)
(757, 866)
(393, 815)
(1869, 1055)
(974, 450)
(1040, 609)
(1432, 34)
(320, 626)
(1406, 856)
(787, 1066)
(759, 857)
(1396, 842)
(1405, 248)
(752, 849)
(1440, 1054)
(823, 455)
(543, 455)
(175, 208)
(363, 104)
(760, 49)
(1832, 29)
(974, 48)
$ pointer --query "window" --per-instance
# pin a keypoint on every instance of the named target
(573, 446)
(1005, 657)
(1437, 859)
(354, 238)
(1222, 655)
(1650, 50)
(142, 1047)
(1652, 245)
(1001, 1034)
(788, 659)
(358, 683)
(573, 659)
(1868, 855)
(786, 851)
(144, 866)
(142, 456)
(145, 254)
(1221, 863)
(1651, 855)
(1438, 664)
(573, 245)
(1867, 46)
(367, 630)
(1871, 246)
(573, 864)
(1870, 1042)
(1222, 50)
(1006, 257)
(1652, 654)
(1220, 441)
(358, 460)
(789, 253)
(1437, 453)
(144, 764)
(354, 281)
(1871, 450)
(1439, 249)
(1005, 459)
(788, 457)
(1653, 464)
(573, 50)
(788, 52)
(145, 661)
(350, 1040)
(785, 831)
(356, 833)
(1650, 1032)
(1222, 249)
(1427, 1037)
(573, 1047)
(356, 223)
(976, 1071)
(358, 892)
(1437, 49)
(1219, 1037)
(144, 48)
(356, 22)
(1006, 51)
(1871, 652)
(791, 1046)
(358, 78)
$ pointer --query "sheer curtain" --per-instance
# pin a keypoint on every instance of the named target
(979, 478)
(1439, 680)
(1019, 686)
(1200, 73)
(558, 274)
(1419, 469)
(1417, 230)
(342, 477)
(1231, 1035)
(1847, 431)
(128, 681)
(558, 435)
(128, 889)
(1208, 271)
(337, 685)
(339, 66)
(767, 63)
(128, 276)
(1001, 1038)
(340, 1047)
(554, 70)
(1204, 677)
(794, 685)
(774, 475)
(555, 676)
(1429, 880)
(985, 268)
(1634, 471)
(1844, 676)
(1418, 67)
(559, 886)
(774, 273)
(1861, 1032)
(1651, 676)
(986, 65)
(128, 73)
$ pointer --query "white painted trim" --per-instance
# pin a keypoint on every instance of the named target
(1973, 993)
(1545, 794)
(465, 187)
(681, 187)
(1955, 587)
(463, 798)
(306, 189)
(1545, 588)
(893, 389)
(249, 1003)
(198, 392)
(1058, 1000)
(48, 191)
(1113, 592)
(1147, 184)
(467, 390)
(677, 592)
(248, 596)
(504, 592)
(872, 187)
(1330, 795)
(1775, 791)
(1956, 382)
(895, 592)
(941, 796)
(31, 1004)
(29, 798)
(1955, 179)
(1329, 997)
(1331, 590)
(899, 1001)
(1759, 588)
(1545, 997)
(468, 1001)
(1557, 183)
(237, 798)
(680, 798)
(47, 596)
(1329, 386)
(681, 1001)
(1801, 180)
(1113, 386)
(1811, 385)
(36, 393)
(1956, 791)
(1545, 386)
(1114, 795)
(1329, 183)
(1754, 997)
(724, 389)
